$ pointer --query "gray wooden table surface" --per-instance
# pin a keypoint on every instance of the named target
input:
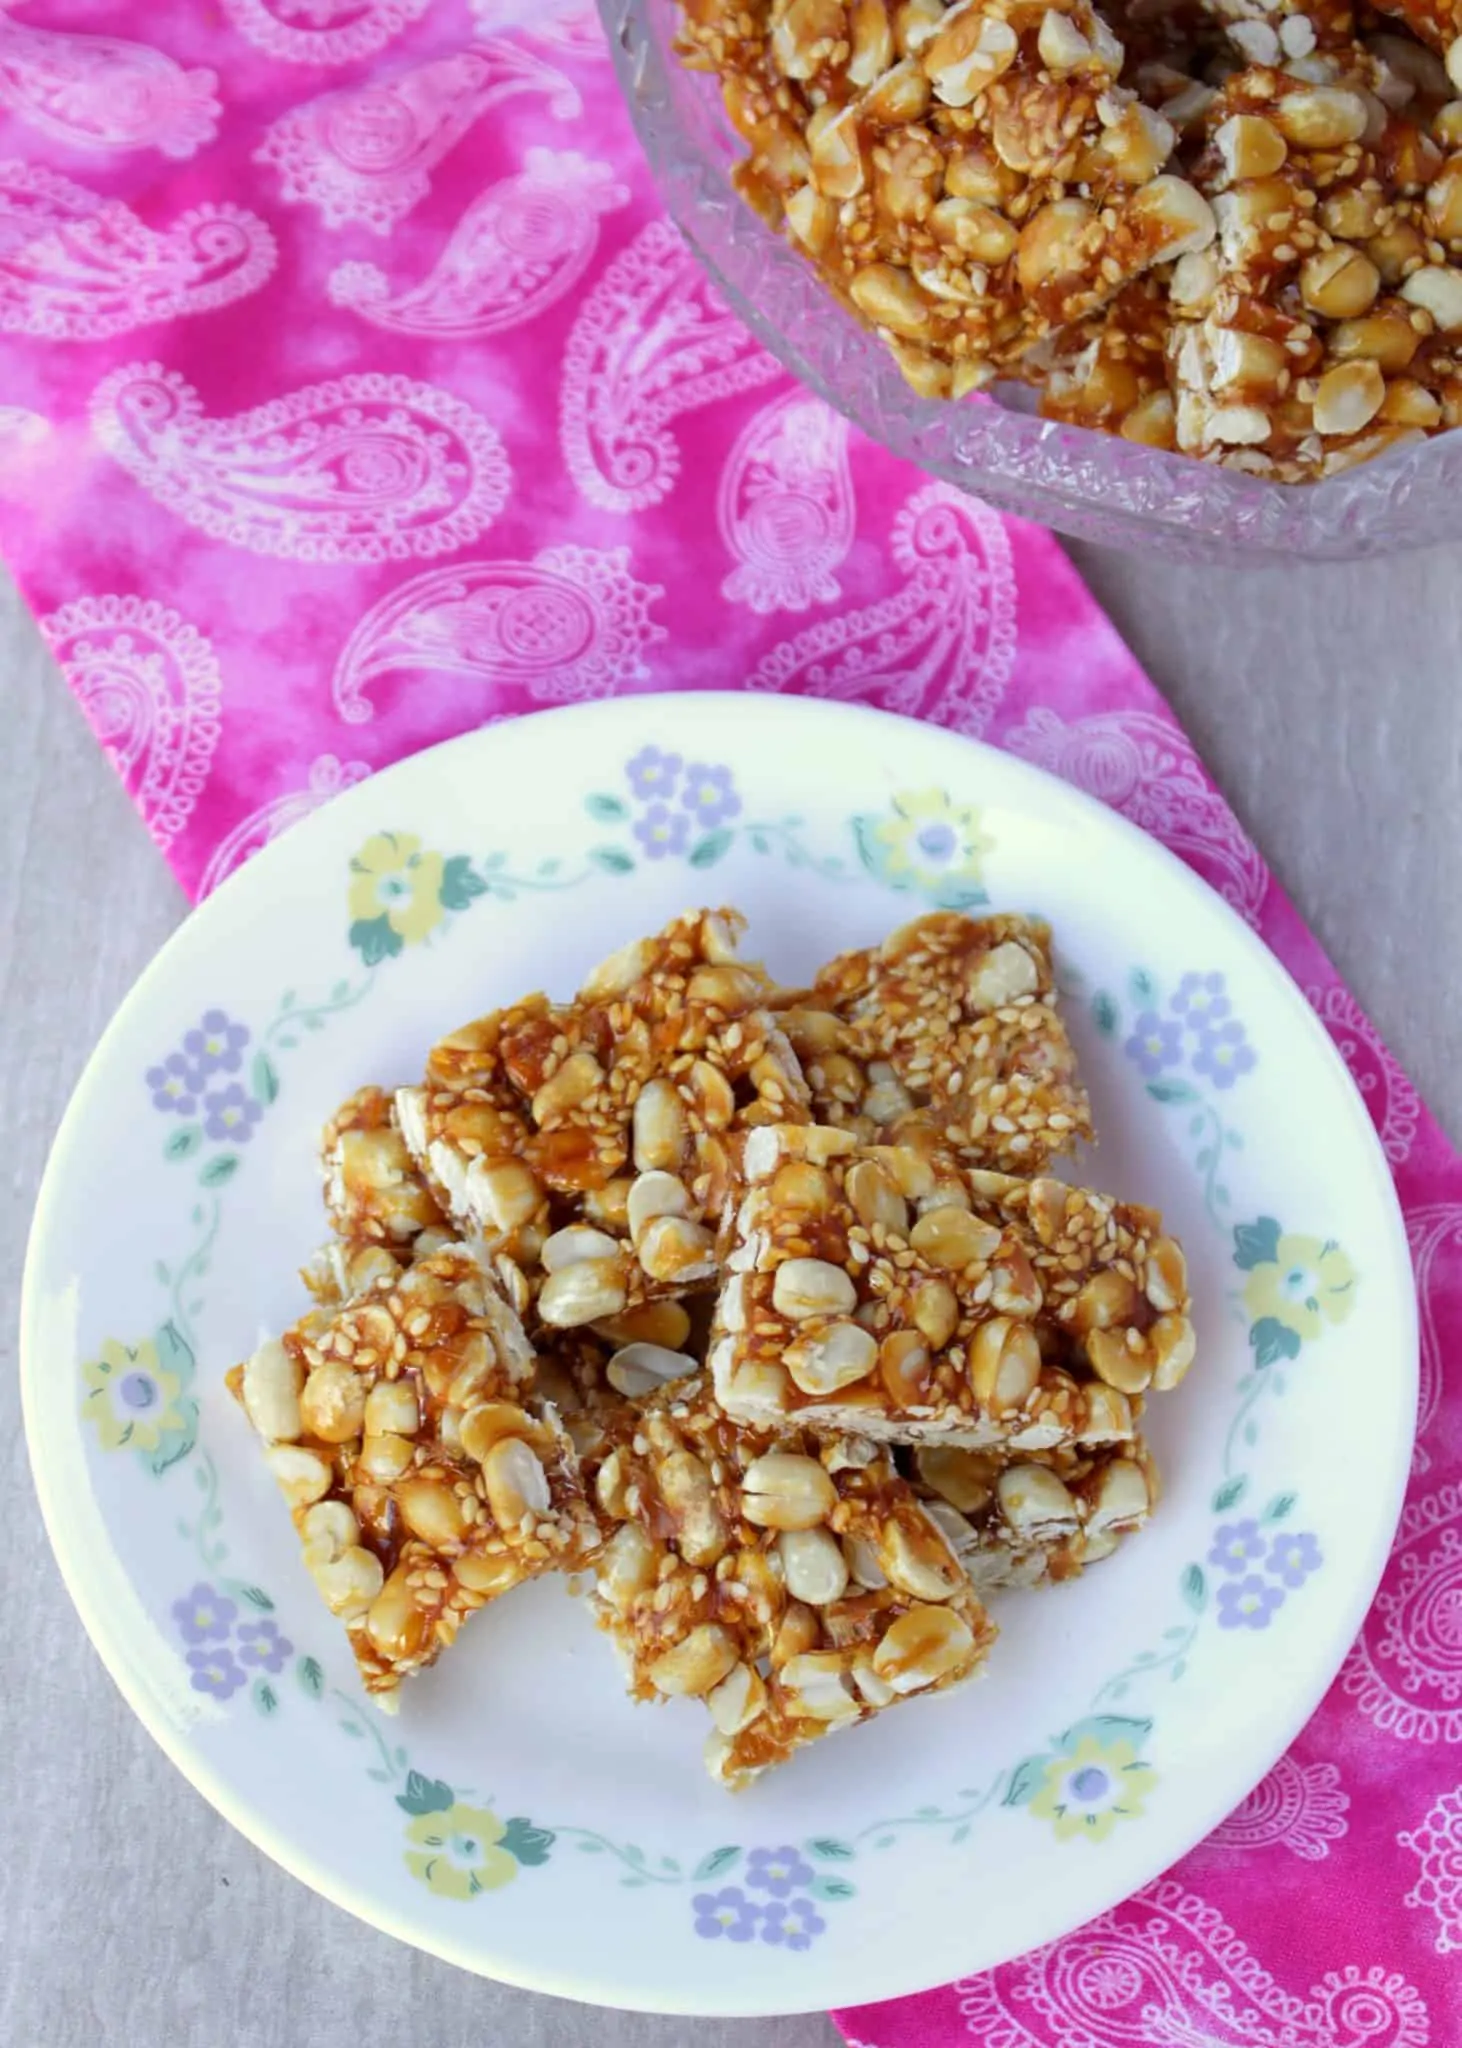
(1326, 703)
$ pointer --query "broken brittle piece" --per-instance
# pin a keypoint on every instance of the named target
(420, 1483)
(952, 1017)
(796, 1587)
(374, 1191)
(890, 1290)
(1030, 1521)
(590, 1136)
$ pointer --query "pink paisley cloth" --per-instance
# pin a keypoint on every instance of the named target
(354, 391)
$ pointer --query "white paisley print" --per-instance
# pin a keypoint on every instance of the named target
(103, 94)
(366, 468)
(1166, 1971)
(1437, 1840)
(514, 253)
(786, 508)
(1299, 1807)
(322, 31)
(1393, 1103)
(571, 624)
(75, 266)
(942, 647)
(1405, 1669)
(150, 684)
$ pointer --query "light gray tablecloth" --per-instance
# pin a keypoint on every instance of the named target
(1325, 701)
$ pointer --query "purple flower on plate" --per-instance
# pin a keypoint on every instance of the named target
(708, 793)
(662, 831)
(778, 1871)
(203, 1614)
(214, 1670)
(728, 1911)
(652, 773)
(217, 1046)
(231, 1113)
(1235, 1546)
(1156, 1042)
(793, 1923)
(1248, 1603)
(1292, 1559)
(1223, 1054)
(1200, 1001)
(174, 1085)
(261, 1645)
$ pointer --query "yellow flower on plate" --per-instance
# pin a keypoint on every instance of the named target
(392, 877)
(456, 1852)
(1306, 1285)
(1088, 1790)
(928, 844)
(131, 1398)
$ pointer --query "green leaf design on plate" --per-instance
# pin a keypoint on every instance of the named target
(1171, 1091)
(1142, 985)
(257, 1597)
(218, 1170)
(1107, 1728)
(460, 885)
(374, 939)
(265, 1698)
(311, 1676)
(717, 1863)
(174, 1444)
(613, 859)
(606, 808)
(1281, 1505)
(1194, 1588)
(1104, 1013)
(1025, 1781)
(182, 1144)
(1273, 1340)
(174, 1353)
(830, 1849)
(824, 1887)
(1230, 1493)
(521, 1839)
(422, 1795)
(264, 1079)
(1256, 1244)
(711, 848)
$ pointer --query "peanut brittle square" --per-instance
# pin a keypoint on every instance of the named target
(891, 1290)
(590, 1136)
(952, 1020)
(795, 1585)
(1034, 1520)
(421, 1484)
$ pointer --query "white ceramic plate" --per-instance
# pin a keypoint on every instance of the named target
(519, 1816)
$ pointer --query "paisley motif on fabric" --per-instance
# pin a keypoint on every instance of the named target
(1404, 1670)
(1166, 1971)
(366, 468)
(942, 647)
(1437, 1840)
(652, 342)
(150, 685)
(571, 27)
(327, 777)
(786, 507)
(101, 93)
(1142, 765)
(1389, 1096)
(1299, 1807)
(1434, 1233)
(516, 250)
(366, 153)
(571, 624)
(75, 266)
(322, 31)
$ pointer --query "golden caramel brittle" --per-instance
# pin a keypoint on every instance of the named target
(374, 1191)
(796, 1587)
(1036, 1520)
(890, 1290)
(590, 1138)
(952, 1018)
(420, 1483)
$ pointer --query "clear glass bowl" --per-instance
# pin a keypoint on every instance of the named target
(1092, 485)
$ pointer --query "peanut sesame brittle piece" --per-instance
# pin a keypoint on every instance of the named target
(1031, 1521)
(797, 1587)
(421, 1484)
(953, 1017)
(889, 1290)
(589, 1137)
(374, 1191)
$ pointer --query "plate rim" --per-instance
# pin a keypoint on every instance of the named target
(208, 1779)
